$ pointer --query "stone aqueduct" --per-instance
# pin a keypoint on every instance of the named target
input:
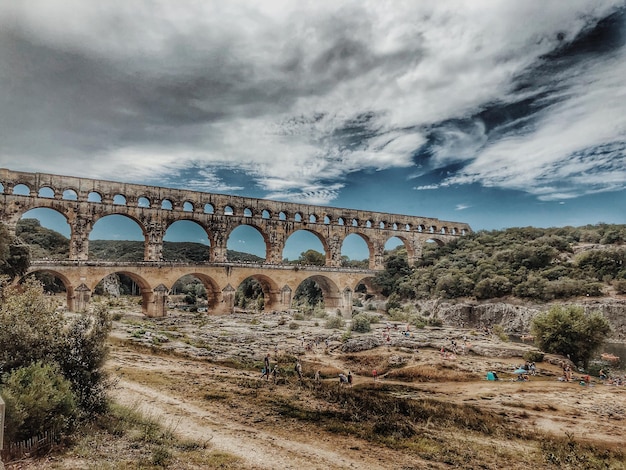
(84, 201)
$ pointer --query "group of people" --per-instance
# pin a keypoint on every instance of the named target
(345, 379)
(274, 372)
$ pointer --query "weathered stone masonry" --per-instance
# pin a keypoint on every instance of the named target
(84, 201)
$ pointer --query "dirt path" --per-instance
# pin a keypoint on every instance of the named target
(261, 442)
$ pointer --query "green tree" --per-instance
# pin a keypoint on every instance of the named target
(38, 398)
(14, 254)
(32, 330)
(568, 331)
(312, 258)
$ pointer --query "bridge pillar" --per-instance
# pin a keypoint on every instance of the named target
(81, 299)
(154, 242)
(285, 297)
(333, 257)
(79, 239)
(227, 305)
(378, 262)
(153, 301)
(346, 300)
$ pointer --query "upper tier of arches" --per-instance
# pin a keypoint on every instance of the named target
(83, 201)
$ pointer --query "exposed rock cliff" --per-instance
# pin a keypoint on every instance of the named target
(516, 317)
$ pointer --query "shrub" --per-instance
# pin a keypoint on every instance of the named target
(31, 331)
(335, 322)
(498, 330)
(620, 286)
(568, 331)
(533, 356)
(361, 323)
(38, 398)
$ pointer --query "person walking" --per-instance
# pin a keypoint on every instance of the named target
(266, 367)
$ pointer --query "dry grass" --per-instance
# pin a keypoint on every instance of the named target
(125, 439)
(430, 373)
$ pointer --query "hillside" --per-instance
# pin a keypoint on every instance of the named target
(528, 263)
(46, 243)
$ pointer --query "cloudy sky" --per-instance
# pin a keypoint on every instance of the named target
(495, 113)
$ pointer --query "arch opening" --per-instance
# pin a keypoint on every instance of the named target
(306, 248)
(116, 237)
(356, 251)
(187, 241)
(246, 243)
(47, 233)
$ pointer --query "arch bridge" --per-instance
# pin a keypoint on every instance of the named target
(84, 201)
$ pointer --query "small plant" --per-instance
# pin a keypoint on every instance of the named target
(361, 323)
(293, 325)
(533, 356)
(500, 333)
(335, 322)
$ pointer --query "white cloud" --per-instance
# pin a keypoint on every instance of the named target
(299, 95)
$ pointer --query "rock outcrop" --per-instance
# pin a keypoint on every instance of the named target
(516, 317)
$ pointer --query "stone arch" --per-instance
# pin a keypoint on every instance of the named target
(264, 235)
(144, 201)
(368, 282)
(17, 217)
(266, 214)
(70, 194)
(94, 196)
(212, 288)
(368, 243)
(438, 241)
(69, 288)
(271, 291)
(100, 218)
(21, 189)
(118, 200)
(410, 249)
(188, 206)
(146, 292)
(208, 233)
(318, 235)
(330, 291)
(46, 191)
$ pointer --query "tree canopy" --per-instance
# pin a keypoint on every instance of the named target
(569, 332)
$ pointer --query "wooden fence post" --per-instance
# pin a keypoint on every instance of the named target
(1, 431)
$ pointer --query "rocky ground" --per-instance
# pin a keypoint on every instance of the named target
(200, 376)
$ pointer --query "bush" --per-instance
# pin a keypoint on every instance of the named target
(620, 286)
(32, 331)
(568, 331)
(38, 399)
(533, 356)
(335, 322)
(361, 323)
